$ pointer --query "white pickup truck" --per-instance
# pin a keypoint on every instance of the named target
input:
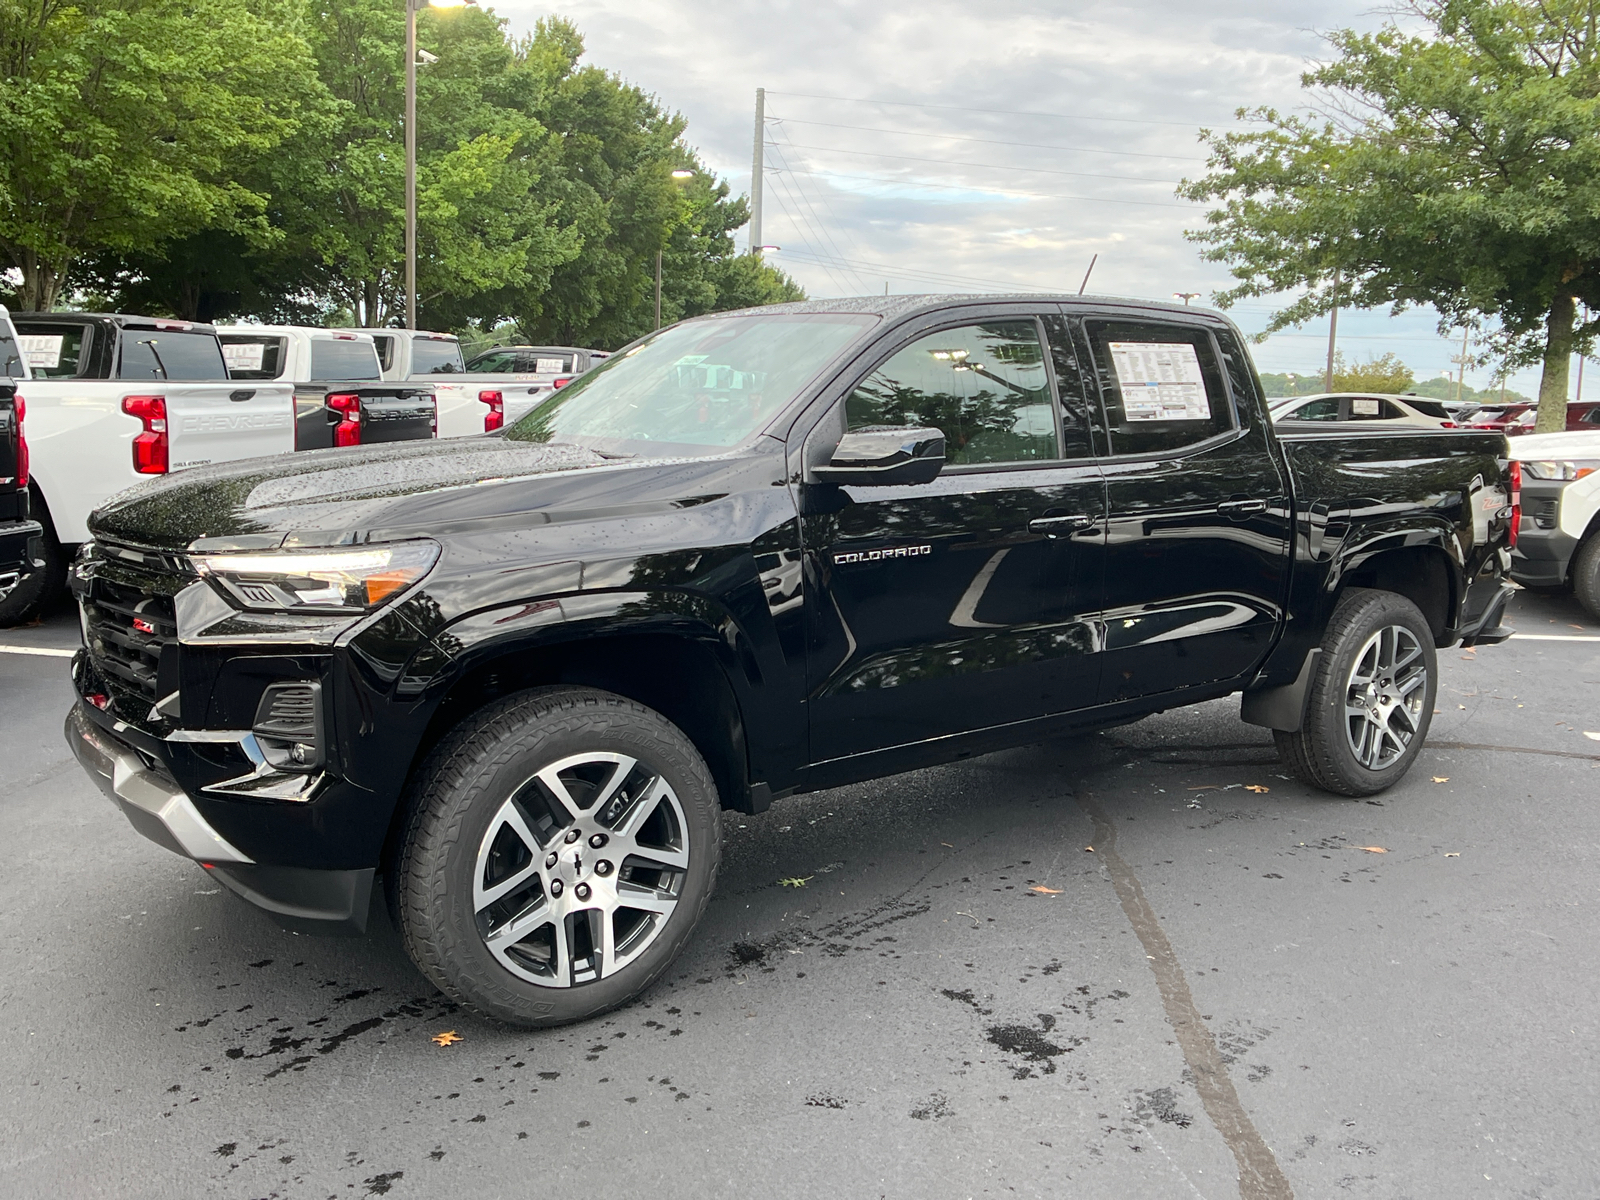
(1558, 545)
(114, 400)
(469, 402)
(340, 395)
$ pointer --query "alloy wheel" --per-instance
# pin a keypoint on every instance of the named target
(580, 869)
(1384, 697)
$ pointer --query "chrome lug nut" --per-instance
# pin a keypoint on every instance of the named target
(602, 868)
(597, 840)
(582, 891)
(555, 888)
(573, 835)
(551, 861)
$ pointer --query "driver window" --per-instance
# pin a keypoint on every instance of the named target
(1325, 409)
(983, 385)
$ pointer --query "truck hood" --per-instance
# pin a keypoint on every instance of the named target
(331, 497)
(1580, 443)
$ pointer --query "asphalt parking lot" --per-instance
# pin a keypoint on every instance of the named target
(1143, 963)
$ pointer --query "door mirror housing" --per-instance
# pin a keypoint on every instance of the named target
(885, 455)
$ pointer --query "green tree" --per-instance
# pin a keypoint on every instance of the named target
(123, 123)
(1459, 168)
(1386, 374)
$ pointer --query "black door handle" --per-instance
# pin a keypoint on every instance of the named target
(1239, 508)
(1057, 526)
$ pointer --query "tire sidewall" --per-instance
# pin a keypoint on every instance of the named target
(1375, 611)
(510, 752)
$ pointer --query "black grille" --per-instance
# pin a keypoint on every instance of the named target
(128, 620)
(289, 711)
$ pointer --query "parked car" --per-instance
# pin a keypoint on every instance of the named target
(545, 363)
(340, 396)
(19, 534)
(116, 400)
(1521, 419)
(1383, 410)
(1558, 545)
(469, 403)
(758, 553)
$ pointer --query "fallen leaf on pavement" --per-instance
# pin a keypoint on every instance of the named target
(448, 1038)
(1205, 787)
(947, 844)
(1256, 788)
(796, 882)
(1452, 854)
(1373, 849)
(1593, 737)
(1045, 891)
(1441, 779)
(1090, 849)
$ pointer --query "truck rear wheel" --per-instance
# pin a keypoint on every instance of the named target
(1586, 575)
(1372, 698)
(561, 847)
(39, 590)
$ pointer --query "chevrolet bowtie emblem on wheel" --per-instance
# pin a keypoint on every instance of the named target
(848, 557)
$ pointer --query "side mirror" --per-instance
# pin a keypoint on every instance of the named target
(882, 455)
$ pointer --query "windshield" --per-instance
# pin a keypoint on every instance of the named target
(696, 388)
(170, 354)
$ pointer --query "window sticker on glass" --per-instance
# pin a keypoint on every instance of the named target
(42, 349)
(243, 356)
(550, 366)
(1160, 381)
(1363, 408)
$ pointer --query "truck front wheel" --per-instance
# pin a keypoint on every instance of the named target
(562, 845)
(1372, 698)
(1586, 575)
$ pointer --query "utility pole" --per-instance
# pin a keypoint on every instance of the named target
(1333, 333)
(1461, 376)
(757, 169)
(658, 289)
(411, 165)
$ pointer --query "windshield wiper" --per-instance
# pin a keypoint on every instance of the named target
(155, 354)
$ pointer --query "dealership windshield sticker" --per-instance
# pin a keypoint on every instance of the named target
(243, 356)
(42, 349)
(1160, 381)
(846, 558)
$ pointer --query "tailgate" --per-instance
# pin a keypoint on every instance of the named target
(397, 414)
(223, 421)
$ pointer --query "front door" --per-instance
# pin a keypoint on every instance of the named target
(955, 605)
(1197, 534)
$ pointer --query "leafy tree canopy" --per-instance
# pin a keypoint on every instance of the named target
(1458, 167)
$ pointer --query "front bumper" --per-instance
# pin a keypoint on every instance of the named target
(297, 897)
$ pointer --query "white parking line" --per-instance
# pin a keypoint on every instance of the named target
(1552, 637)
(47, 652)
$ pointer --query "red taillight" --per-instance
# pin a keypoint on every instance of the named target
(348, 431)
(495, 418)
(22, 443)
(149, 447)
(1516, 504)
(562, 382)
(1448, 425)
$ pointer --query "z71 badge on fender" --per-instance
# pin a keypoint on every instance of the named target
(848, 557)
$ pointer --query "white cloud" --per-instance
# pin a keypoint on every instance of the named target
(1130, 85)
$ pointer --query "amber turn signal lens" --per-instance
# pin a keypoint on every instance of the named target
(381, 587)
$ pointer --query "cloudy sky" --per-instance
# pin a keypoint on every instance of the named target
(936, 146)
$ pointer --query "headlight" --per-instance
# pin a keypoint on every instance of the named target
(355, 580)
(1573, 469)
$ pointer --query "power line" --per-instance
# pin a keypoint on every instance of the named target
(1003, 112)
(961, 137)
(833, 217)
(950, 162)
(818, 227)
(913, 273)
(992, 190)
(838, 279)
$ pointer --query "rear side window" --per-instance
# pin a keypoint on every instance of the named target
(547, 362)
(1428, 408)
(1161, 385)
(337, 359)
(53, 351)
(1325, 409)
(495, 362)
(436, 356)
(253, 357)
(983, 385)
(385, 348)
(170, 354)
(1371, 408)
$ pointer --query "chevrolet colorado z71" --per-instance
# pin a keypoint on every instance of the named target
(516, 677)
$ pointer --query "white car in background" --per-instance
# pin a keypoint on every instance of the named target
(1378, 410)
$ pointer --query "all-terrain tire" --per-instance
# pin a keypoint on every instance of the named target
(40, 589)
(459, 800)
(1586, 575)
(1321, 753)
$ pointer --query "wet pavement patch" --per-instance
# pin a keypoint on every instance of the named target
(1030, 1045)
(934, 1108)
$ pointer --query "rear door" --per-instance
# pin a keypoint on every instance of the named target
(210, 417)
(1197, 537)
(960, 604)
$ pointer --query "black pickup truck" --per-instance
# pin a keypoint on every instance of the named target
(515, 677)
(19, 535)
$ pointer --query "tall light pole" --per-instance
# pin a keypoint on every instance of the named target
(412, 8)
(757, 169)
(1333, 334)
